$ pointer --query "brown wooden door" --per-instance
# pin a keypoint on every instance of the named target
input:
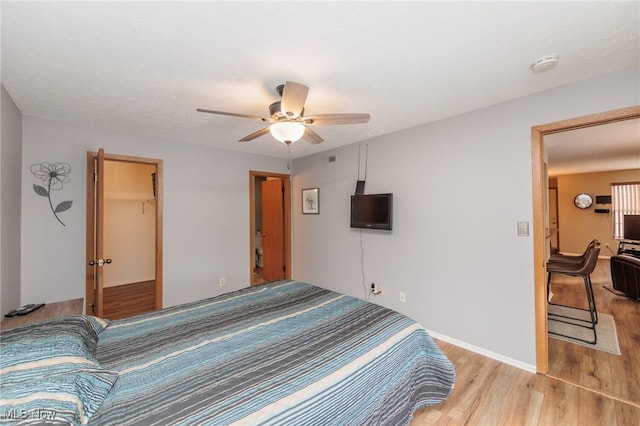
(95, 224)
(273, 229)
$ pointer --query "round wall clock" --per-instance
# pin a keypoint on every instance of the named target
(583, 201)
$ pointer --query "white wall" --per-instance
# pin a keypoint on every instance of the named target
(460, 185)
(10, 159)
(129, 223)
(206, 212)
(129, 241)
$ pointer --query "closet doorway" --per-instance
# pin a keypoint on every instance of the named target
(124, 235)
(270, 227)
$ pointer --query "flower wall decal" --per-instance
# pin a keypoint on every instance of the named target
(53, 176)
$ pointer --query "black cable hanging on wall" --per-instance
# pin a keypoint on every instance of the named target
(360, 188)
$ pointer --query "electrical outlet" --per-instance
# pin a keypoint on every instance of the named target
(221, 281)
(403, 297)
(376, 289)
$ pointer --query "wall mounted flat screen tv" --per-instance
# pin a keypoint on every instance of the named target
(631, 226)
(372, 211)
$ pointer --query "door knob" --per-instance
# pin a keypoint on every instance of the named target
(99, 262)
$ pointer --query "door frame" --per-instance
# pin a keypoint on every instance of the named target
(91, 156)
(538, 160)
(252, 220)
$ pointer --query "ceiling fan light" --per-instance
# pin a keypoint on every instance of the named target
(287, 131)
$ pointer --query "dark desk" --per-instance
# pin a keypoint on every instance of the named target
(629, 248)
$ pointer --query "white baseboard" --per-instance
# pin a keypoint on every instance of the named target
(510, 361)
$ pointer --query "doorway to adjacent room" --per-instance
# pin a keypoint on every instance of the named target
(540, 214)
(270, 227)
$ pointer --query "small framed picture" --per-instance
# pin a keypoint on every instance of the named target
(311, 201)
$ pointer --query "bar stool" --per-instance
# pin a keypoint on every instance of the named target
(564, 258)
(573, 259)
(583, 270)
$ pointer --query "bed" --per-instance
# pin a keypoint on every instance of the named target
(278, 354)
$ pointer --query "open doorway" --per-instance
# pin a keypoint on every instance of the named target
(124, 235)
(541, 222)
(270, 227)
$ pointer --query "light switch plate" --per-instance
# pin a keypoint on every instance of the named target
(523, 229)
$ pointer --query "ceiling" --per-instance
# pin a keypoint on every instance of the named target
(612, 146)
(144, 67)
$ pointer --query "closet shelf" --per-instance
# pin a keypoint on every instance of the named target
(129, 197)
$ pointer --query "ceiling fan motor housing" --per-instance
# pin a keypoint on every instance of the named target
(275, 109)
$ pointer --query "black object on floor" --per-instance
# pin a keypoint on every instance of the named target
(24, 310)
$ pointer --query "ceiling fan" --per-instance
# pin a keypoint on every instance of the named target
(288, 123)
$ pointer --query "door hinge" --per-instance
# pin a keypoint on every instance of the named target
(284, 268)
(95, 177)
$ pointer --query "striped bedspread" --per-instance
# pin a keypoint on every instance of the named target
(286, 353)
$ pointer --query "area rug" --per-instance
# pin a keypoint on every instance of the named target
(616, 292)
(606, 329)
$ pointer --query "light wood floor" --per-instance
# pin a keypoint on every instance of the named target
(257, 277)
(584, 386)
(488, 392)
(615, 375)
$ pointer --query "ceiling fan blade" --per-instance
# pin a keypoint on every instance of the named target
(255, 135)
(233, 114)
(293, 97)
(311, 136)
(327, 119)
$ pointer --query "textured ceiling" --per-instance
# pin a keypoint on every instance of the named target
(612, 146)
(145, 67)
